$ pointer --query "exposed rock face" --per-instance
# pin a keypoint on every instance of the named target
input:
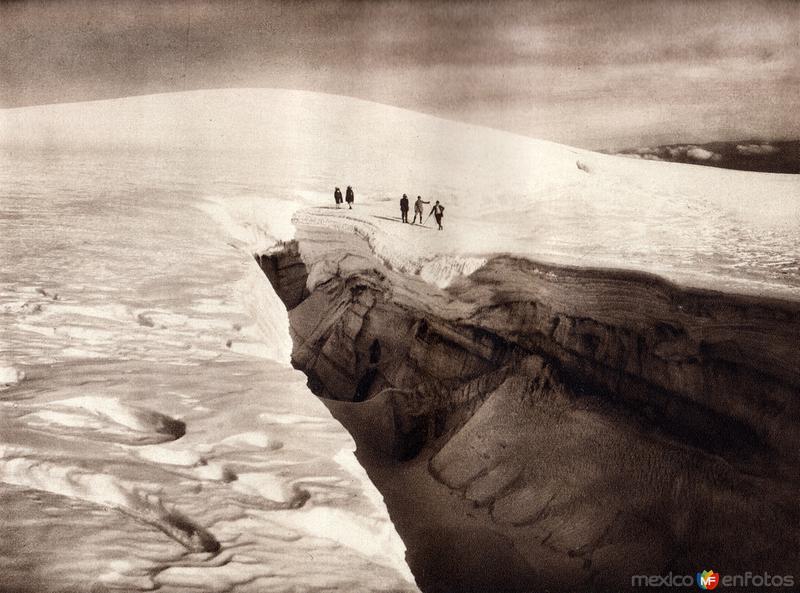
(605, 424)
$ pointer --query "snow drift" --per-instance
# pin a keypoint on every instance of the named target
(153, 432)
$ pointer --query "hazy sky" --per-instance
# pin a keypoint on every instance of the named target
(589, 73)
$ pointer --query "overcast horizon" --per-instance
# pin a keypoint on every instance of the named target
(591, 74)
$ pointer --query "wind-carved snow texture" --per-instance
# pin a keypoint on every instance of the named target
(153, 433)
(133, 310)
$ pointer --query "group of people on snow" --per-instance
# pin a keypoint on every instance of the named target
(350, 197)
(437, 210)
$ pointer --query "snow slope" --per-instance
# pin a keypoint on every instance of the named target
(503, 193)
(153, 432)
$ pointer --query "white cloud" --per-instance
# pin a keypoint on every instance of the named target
(701, 154)
(750, 149)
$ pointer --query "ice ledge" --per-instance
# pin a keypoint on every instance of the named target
(466, 245)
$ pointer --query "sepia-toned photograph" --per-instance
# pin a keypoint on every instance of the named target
(399, 296)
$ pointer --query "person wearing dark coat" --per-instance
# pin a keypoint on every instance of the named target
(404, 208)
(349, 197)
(418, 209)
(438, 212)
(337, 196)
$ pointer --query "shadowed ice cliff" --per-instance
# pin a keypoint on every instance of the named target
(593, 424)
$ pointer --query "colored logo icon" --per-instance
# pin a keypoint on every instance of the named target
(707, 580)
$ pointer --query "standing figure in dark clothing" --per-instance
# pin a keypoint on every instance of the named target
(438, 212)
(349, 197)
(404, 208)
(418, 209)
(337, 196)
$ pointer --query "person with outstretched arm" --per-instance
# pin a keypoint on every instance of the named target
(438, 213)
(350, 197)
(404, 208)
(418, 209)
